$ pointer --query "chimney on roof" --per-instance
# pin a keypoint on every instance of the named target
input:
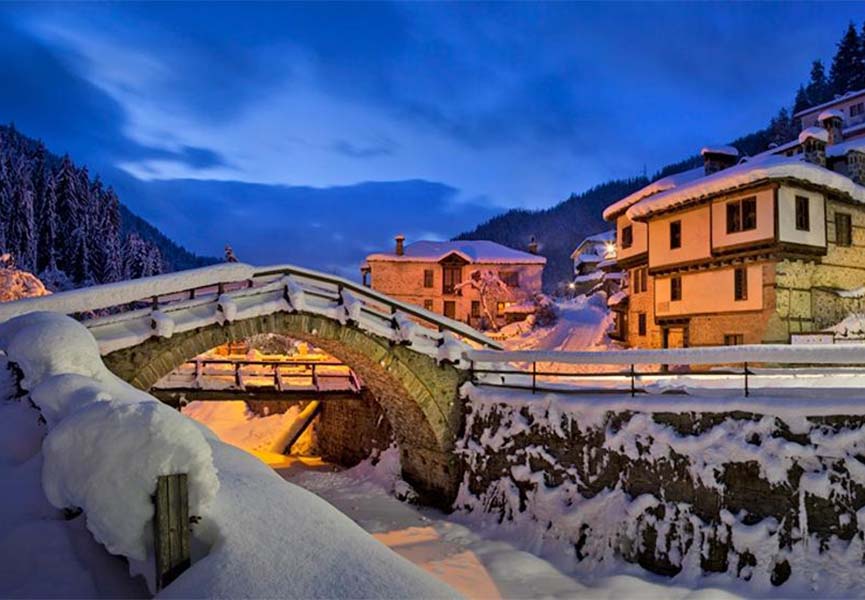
(533, 245)
(718, 158)
(400, 245)
(833, 122)
(813, 141)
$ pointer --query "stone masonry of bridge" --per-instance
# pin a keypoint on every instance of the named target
(419, 397)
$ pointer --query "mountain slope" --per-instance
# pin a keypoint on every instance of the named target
(64, 224)
(557, 229)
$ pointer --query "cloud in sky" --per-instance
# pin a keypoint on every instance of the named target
(508, 104)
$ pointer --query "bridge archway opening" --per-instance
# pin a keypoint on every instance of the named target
(416, 396)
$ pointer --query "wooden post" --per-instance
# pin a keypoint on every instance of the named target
(314, 378)
(171, 528)
(238, 377)
(633, 382)
(747, 391)
(534, 376)
(198, 373)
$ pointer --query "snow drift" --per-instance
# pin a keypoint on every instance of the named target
(108, 442)
(259, 536)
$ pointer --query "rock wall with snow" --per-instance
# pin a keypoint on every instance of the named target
(762, 495)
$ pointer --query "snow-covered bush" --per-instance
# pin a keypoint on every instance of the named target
(546, 311)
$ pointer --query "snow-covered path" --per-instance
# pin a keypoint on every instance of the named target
(449, 547)
(582, 325)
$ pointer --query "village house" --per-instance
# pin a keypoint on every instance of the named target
(479, 282)
(591, 257)
(750, 250)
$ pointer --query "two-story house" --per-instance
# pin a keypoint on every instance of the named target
(746, 251)
(472, 281)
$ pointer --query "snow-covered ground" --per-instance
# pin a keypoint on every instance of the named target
(474, 558)
(478, 561)
(582, 325)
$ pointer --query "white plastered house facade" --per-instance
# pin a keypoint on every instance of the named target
(746, 250)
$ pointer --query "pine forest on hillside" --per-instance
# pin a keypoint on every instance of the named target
(58, 222)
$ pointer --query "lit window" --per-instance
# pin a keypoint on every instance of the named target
(428, 304)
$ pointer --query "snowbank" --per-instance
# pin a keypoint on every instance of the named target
(259, 536)
(107, 442)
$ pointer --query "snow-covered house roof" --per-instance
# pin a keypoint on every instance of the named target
(833, 102)
(747, 173)
(819, 133)
(661, 185)
(831, 113)
(725, 150)
(843, 148)
(473, 251)
(605, 237)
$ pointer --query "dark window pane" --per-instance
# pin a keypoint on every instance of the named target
(740, 284)
(803, 216)
(734, 217)
(627, 236)
(843, 229)
(749, 214)
(676, 234)
(675, 288)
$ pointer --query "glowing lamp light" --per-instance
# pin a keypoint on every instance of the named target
(572, 285)
(610, 248)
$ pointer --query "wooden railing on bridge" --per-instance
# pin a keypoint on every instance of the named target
(281, 376)
(745, 368)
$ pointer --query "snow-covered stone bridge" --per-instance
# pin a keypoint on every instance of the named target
(408, 359)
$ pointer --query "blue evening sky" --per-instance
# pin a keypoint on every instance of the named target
(312, 133)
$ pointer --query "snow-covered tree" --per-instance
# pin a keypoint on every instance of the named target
(21, 227)
(140, 259)
(490, 288)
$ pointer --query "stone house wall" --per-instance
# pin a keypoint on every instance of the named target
(404, 280)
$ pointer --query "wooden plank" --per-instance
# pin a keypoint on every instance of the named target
(171, 528)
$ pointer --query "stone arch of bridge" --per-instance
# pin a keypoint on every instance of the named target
(418, 396)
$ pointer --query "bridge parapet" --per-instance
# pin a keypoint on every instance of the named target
(122, 315)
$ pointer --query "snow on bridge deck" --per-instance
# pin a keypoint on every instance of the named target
(133, 311)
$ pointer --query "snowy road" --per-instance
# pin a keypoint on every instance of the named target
(477, 566)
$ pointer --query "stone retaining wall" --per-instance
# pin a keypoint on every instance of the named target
(754, 496)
